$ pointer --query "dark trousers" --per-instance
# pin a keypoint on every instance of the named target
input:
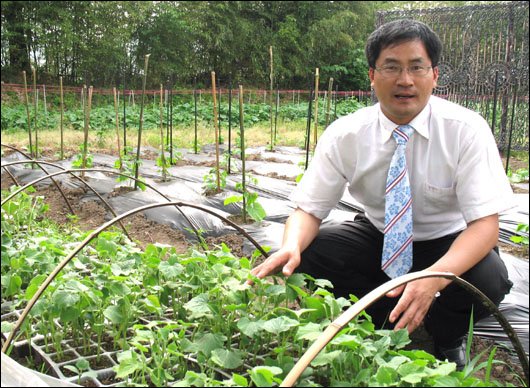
(349, 255)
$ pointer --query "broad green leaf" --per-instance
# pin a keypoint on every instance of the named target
(385, 376)
(118, 288)
(210, 342)
(7, 326)
(170, 271)
(262, 376)
(256, 211)
(400, 338)
(239, 380)
(348, 340)
(227, 359)
(446, 381)
(69, 314)
(248, 327)
(34, 286)
(280, 324)
(127, 367)
(198, 306)
(325, 358)
(65, 299)
(235, 198)
(13, 287)
(114, 314)
(275, 289)
(296, 279)
(309, 331)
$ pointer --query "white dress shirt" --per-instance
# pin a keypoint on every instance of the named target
(455, 170)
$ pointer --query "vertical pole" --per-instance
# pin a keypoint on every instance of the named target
(229, 119)
(276, 114)
(29, 116)
(336, 96)
(315, 134)
(171, 118)
(195, 100)
(162, 156)
(242, 135)
(62, 115)
(44, 95)
(308, 130)
(137, 161)
(117, 128)
(36, 103)
(271, 78)
(216, 134)
(124, 117)
(219, 113)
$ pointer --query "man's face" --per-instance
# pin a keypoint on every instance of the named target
(403, 96)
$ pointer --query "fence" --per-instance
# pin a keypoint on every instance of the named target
(484, 63)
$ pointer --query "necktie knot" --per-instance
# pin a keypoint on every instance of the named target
(402, 134)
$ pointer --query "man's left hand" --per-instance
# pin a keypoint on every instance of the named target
(415, 302)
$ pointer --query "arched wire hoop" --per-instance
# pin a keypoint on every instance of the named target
(43, 169)
(379, 292)
(72, 172)
(94, 234)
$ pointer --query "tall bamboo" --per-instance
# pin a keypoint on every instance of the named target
(162, 156)
(216, 134)
(330, 90)
(36, 102)
(29, 116)
(62, 116)
(117, 128)
(137, 161)
(242, 136)
(316, 109)
(270, 99)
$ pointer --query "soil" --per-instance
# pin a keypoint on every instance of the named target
(90, 215)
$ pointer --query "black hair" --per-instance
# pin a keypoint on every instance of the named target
(399, 31)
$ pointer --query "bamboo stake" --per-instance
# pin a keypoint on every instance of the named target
(316, 109)
(270, 99)
(29, 116)
(330, 89)
(216, 134)
(62, 115)
(36, 103)
(162, 156)
(44, 94)
(242, 135)
(117, 127)
(137, 161)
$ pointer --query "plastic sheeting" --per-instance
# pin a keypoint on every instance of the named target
(187, 185)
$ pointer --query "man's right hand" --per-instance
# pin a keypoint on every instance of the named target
(300, 229)
(284, 260)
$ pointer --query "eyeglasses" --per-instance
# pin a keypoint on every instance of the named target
(392, 71)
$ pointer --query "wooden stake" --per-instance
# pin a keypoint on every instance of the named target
(29, 116)
(117, 127)
(36, 105)
(87, 120)
(316, 110)
(216, 133)
(62, 114)
(137, 162)
(270, 98)
(242, 135)
(164, 178)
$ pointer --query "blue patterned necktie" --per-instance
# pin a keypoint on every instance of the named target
(397, 247)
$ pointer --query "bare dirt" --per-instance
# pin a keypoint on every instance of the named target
(90, 215)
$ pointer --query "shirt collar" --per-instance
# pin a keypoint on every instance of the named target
(420, 123)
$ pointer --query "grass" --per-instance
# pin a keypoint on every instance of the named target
(289, 133)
